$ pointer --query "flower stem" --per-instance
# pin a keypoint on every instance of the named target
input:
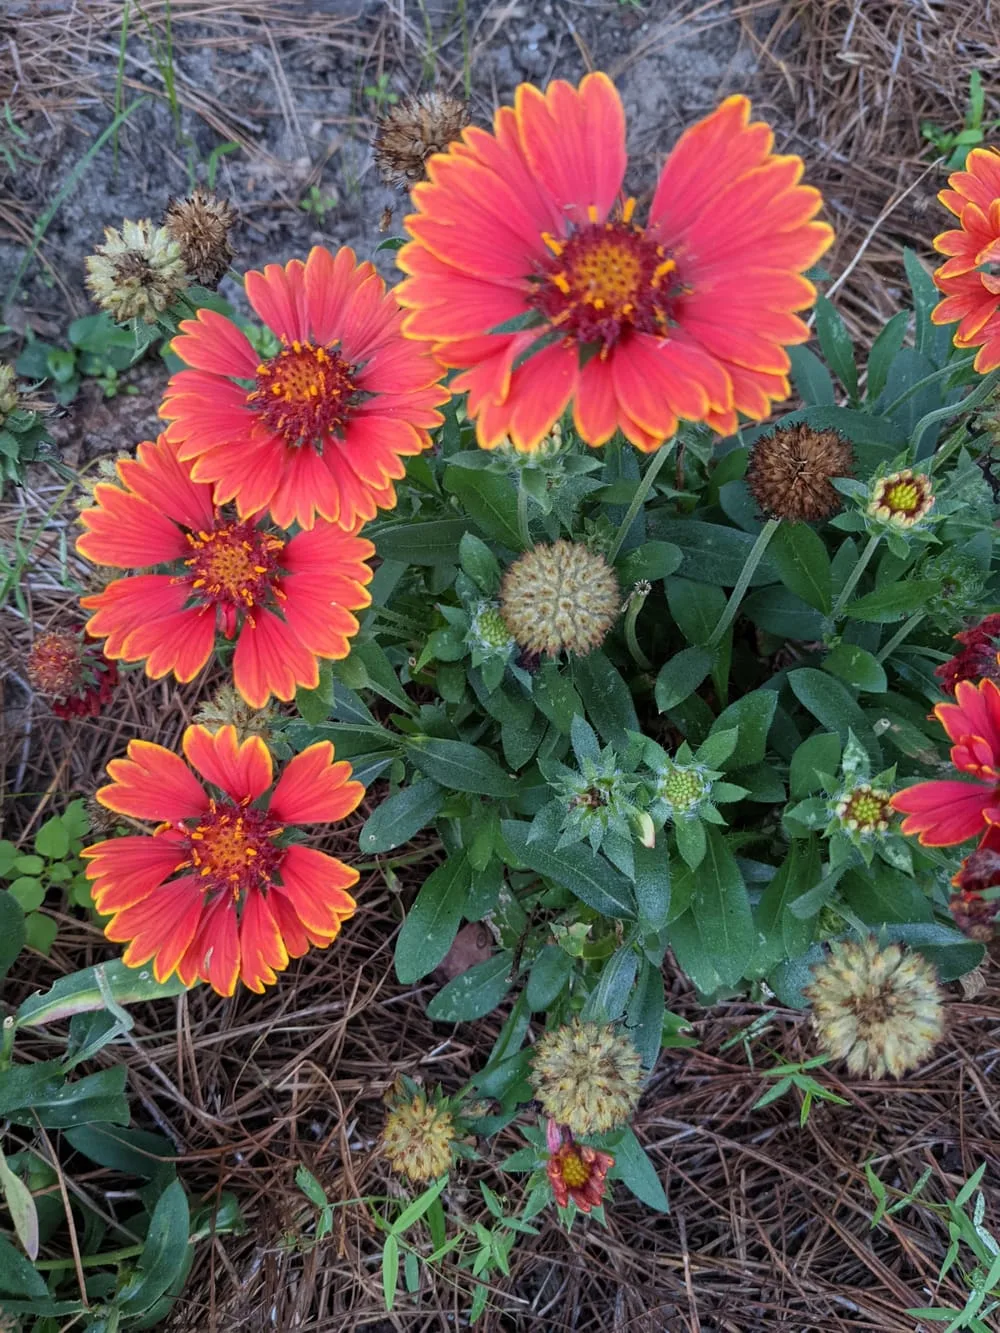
(743, 582)
(639, 499)
(856, 573)
(904, 630)
(90, 1260)
(635, 604)
(523, 525)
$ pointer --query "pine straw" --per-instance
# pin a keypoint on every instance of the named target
(855, 79)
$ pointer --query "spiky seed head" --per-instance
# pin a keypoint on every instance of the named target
(416, 1141)
(229, 709)
(562, 597)
(789, 472)
(9, 1323)
(9, 396)
(901, 499)
(201, 224)
(137, 273)
(410, 132)
(880, 1009)
(100, 818)
(587, 1077)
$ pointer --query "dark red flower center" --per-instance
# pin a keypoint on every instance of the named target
(304, 394)
(233, 848)
(234, 565)
(606, 278)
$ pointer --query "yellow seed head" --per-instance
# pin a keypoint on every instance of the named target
(416, 1141)
(881, 1010)
(562, 597)
(9, 396)
(587, 1077)
(137, 273)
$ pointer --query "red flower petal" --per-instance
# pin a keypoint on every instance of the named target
(278, 295)
(314, 790)
(271, 659)
(144, 617)
(944, 812)
(128, 532)
(126, 870)
(160, 927)
(213, 343)
(153, 783)
(262, 950)
(241, 770)
(315, 885)
(214, 953)
(158, 476)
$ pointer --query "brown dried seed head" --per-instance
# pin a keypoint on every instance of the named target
(200, 224)
(790, 470)
(414, 129)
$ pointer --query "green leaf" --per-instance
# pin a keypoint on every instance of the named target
(164, 1253)
(803, 564)
(460, 766)
(608, 999)
(857, 667)
(712, 552)
(836, 344)
(721, 908)
(883, 894)
(41, 1090)
(932, 341)
(785, 934)
(819, 754)
(606, 698)
(316, 705)
(21, 1206)
(489, 498)
(475, 993)
(432, 922)
(696, 607)
(652, 884)
(80, 992)
(52, 839)
(948, 949)
(549, 973)
(883, 353)
(651, 561)
(634, 1169)
(780, 612)
(645, 1014)
(390, 1270)
(833, 707)
(752, 716)
(893, 602)
(17, 1274)
(557, 698)
(28, 892)
(811, 378)
(12, 934)
(41, 932)
(132, 1151)
(576, 868)
(397, 819)
(432, 543)
(681, 675)
(479, 563)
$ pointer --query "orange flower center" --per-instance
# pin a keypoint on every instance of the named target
(234, 564)
(233, 848)
(304, 393)
(575, 1172)
(606, 278)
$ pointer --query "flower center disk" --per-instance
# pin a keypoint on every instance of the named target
(574, 1170)
(304, 394)
(607, 278)
(234, 564)
(233, 848)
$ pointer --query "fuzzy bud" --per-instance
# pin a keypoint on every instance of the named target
(9, 397)
(562, 597)
(587, 1077)
(901, 499)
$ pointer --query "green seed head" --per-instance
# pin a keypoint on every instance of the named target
(682, 788)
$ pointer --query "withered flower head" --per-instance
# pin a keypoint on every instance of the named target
(200, 224)
(879, 1009)
(789, 472)
(408, 133)
(416, 1141)
(557, 597)
(587, 1076)
(974, 913)
(980, 655)
(137, 273)
(72, 671)
(575, 1170)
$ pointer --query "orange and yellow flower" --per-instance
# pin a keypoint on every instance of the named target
(942, 812)
(287, 602)
(575, 1170)
(215, 893)
(322, 427)
(687, 316)
(970, 277)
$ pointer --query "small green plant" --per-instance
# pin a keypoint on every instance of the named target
(54, 862)
(381, 93)
(98, 349)
(797, 1076)
(972, 1247)
(13, 142)
(317, 204)
(954, 145)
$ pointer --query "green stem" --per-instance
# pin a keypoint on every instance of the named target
(743, 582)
(523, 526)
(90, 1260)
(639, 499)
(6, 1042)
(936, 375)
(904, 630)
(856, 573)
(636, 602)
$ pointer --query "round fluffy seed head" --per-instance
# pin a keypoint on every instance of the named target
(9, 396)
(789, 473)
(879, 1009)
(866, 809)
(137, 273)
(416, 1141)
(200, 224)
(902, 499)
(557, 597)
(587, 1077)
(411, 131)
